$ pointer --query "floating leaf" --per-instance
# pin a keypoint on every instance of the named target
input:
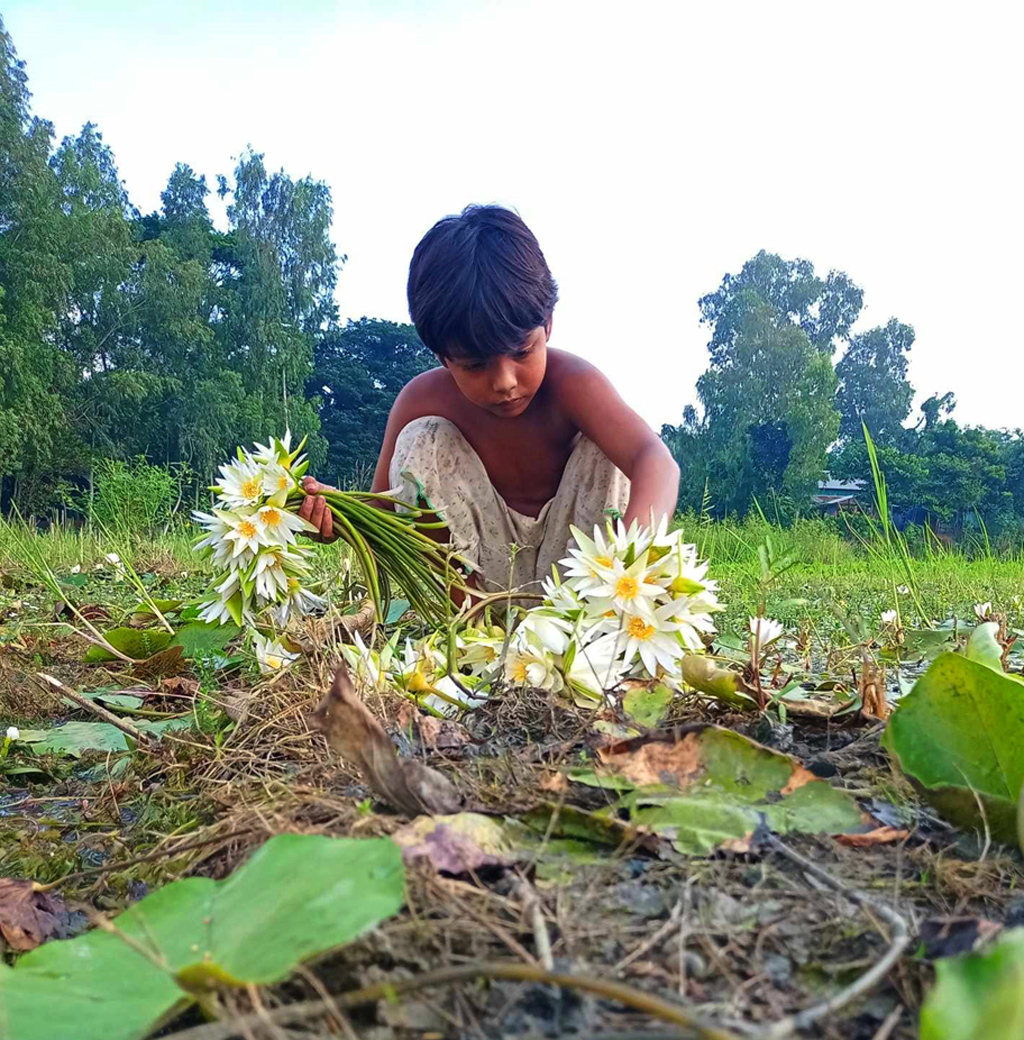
(299, 895)
(111, 698)
(75, 738)
(979, 996)
(143, 614)
(959, 734)
(198, 639)
(724, 684)
(647, 703)
(726, 783)
(459, 843)
(138, 644)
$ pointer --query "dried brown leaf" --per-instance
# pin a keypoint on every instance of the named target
(27, 917)
(879, 836)
(356, 735)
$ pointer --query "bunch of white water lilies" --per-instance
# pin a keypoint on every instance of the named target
(633, 603)
(251, 539)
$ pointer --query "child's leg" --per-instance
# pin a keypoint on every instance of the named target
(590, 486)
(434, 464)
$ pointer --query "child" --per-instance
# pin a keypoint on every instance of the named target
(509, 441)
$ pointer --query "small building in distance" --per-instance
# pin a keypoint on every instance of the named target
(839, 496)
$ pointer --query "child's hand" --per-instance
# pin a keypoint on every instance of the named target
(314, 509)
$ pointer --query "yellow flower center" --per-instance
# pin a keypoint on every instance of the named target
(639, 629)
(272, 661)
(282, 482)
(519, 671)
(627, 587)
(608, 613)
(247, 529)
(271, 517)
(251, 488)
(603, 561)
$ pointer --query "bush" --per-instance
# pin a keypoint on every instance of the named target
(130, 497)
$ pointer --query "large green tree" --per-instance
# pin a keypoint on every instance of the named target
(873, 386)
(358, 372)
(36, 380)
(767, 397)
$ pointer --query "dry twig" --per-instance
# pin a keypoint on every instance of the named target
(648, 1003)
(52, 684)
(898, 940)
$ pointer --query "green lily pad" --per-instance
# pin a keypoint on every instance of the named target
(723, 684)
(138, 644)
(979, 996)
(959, 735)
(75, 738)
(299, 895)
(714, 785)
(647, 704)
(199, 639)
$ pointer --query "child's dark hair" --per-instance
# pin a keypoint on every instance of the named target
(479, 284)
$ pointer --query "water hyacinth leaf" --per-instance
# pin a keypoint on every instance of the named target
(647, 703)
(979, 996)
(200, 640)
(959, 735)
(138, 644)
(299, 896)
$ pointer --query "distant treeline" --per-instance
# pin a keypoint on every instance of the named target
(127, 336)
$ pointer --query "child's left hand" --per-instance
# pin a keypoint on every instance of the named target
(315, 510)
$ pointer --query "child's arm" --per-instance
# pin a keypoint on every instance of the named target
(594, 405)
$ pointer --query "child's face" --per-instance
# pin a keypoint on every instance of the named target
(505, 385)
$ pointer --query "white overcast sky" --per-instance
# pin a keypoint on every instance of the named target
(651, 147)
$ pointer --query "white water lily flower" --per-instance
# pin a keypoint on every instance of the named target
(277, 480)
(983, 611)
(546, 629)
(480, 655)
(596, 666)
(656, 641)
(693, 615)
(216, 612)
(272, 656)
(274, 570)
(447, 685)
(278, 525)
(589, 565)
(267, 454)
(242, 483)
(889, 617)
(13, 733)
(364, 663)
(300, 601)
(529, 666)
(247, 534)
(561, 597)
(903, 590)
(765, 630)
(628, 588)
(77, 569)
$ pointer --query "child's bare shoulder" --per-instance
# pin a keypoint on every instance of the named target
(573, 382)
(430, 393)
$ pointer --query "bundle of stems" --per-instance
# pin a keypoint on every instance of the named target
(391, 542)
